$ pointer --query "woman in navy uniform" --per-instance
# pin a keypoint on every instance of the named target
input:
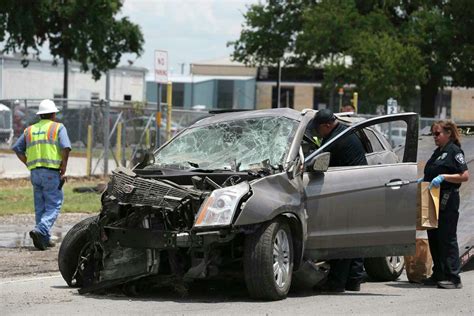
(447, 169)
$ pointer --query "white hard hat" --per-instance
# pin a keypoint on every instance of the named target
(47, 106)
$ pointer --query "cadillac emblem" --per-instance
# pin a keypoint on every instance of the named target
(128, 188)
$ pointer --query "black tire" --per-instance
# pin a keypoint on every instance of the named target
(260, 278)
(384, 268)
(71, 246)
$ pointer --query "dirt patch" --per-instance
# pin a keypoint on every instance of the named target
(21, 261)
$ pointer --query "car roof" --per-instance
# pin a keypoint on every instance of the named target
(232, 116)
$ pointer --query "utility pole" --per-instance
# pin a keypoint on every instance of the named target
(65, 83)
(158, 115)
(279, 83)
(106, 123)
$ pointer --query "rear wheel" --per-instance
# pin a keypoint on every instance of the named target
(268, 261)
(69, 257)
(384, 268)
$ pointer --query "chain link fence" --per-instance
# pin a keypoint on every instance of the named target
(131, 131)
(131, 127)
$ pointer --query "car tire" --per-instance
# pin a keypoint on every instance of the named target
(69, 252)
(384, 268)
(270, 246)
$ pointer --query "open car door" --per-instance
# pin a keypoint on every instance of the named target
(369, 210)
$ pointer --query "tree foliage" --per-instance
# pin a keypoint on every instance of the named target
(394, 46)
(85, 31)
(269, 32)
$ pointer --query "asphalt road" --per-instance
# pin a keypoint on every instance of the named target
(48, 295)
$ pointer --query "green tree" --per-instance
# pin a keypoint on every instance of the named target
(269, 32)
(394, 46)
(268, 35)
(85, 31)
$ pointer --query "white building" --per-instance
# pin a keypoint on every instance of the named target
(42, 80)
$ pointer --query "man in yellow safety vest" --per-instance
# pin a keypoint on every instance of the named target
(44, 149)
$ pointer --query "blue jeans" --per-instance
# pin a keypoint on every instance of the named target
(48, 199)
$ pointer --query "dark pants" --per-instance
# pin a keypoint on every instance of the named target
(443, 240)
(346, 271)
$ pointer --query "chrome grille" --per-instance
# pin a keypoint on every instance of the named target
(139, 191)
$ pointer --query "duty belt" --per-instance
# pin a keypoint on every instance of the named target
(450, 189)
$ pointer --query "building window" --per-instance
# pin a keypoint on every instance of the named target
(287, 96)
(127, 97)
(178, 94)
(225, 94)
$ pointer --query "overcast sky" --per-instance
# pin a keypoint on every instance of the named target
(190, 30)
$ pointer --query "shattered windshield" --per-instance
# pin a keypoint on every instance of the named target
(233, 145)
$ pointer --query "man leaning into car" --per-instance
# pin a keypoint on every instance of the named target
(345, 274)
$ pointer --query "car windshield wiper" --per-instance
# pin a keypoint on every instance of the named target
(210, 170)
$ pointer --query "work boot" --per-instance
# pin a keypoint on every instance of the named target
(353, 286)
(38, 240)
(431, 281)
(449, 285)
(329, 287)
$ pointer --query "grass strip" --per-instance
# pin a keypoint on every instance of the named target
(19, 200)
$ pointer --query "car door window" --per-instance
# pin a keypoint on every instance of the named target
(405, 147)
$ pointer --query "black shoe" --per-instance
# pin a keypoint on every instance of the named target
(354, 287)
(430, 281)
(449, 285)
(51, 244)
(38, 240)
(329, 287)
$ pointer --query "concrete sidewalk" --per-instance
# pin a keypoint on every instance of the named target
(11, 167)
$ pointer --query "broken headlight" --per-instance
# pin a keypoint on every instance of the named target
(219, 208)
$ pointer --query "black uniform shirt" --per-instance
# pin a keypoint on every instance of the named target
(347, 151)
(447, 160)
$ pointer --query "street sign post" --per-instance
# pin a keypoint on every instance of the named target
(392, 106)
(161, 66)
(161, 77)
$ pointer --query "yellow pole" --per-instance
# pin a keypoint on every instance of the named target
(169, 100)
(147, 138)
(89, 150)
(355, 102)
(118, 149)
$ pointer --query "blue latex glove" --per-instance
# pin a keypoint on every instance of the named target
(436, 182)
(419, 180)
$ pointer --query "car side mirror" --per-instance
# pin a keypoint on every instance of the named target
(320, 163)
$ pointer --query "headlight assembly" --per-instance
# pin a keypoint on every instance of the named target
(219, 208)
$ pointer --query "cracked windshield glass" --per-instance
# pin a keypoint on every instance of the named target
(235, 145)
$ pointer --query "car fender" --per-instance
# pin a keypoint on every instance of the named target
(275, 196)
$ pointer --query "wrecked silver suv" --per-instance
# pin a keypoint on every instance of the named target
(252, 193)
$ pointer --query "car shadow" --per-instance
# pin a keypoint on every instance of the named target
(406, 285)
(61, 287)
(210, 292)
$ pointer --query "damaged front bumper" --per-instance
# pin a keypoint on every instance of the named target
(146, 229)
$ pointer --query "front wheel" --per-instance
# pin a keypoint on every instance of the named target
(268, 261)
(384, 268)
(69, 257)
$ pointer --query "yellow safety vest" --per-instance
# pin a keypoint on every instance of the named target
(42, 145)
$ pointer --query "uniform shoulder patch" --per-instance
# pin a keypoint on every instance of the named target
(442, 156)
(460, 158)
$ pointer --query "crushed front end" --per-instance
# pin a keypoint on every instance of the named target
(154, 230)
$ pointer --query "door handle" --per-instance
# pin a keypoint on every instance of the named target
(397, 183)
